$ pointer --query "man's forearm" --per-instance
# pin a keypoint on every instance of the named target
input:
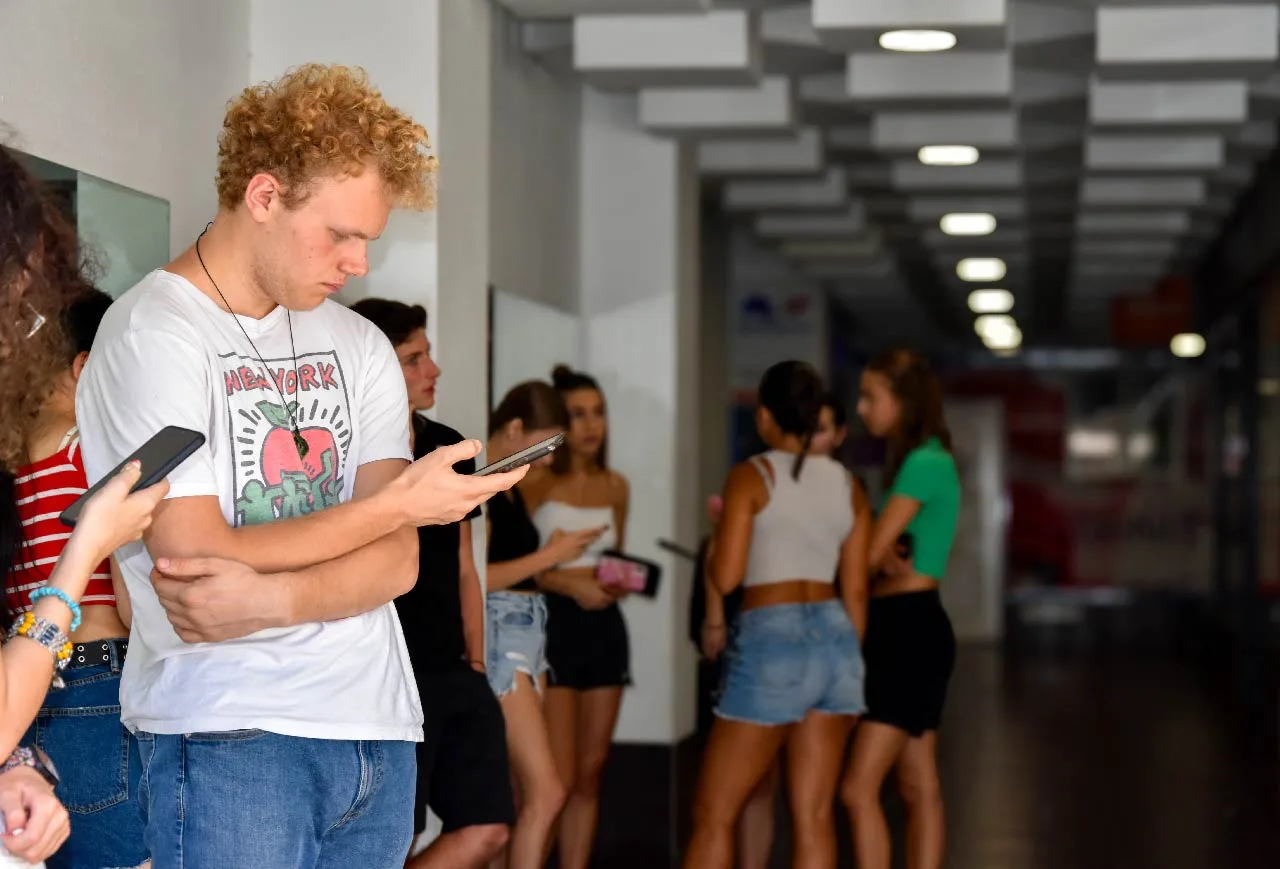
(275, 546)
(316, 539)
(351, 584)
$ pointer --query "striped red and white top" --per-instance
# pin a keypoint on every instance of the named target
(43, 490)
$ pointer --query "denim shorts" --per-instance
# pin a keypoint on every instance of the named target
(784, 661)
(97, 758)
(248, 798)
(516, 639)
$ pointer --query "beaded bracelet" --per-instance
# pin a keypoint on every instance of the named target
(49, 635)
(48, 591)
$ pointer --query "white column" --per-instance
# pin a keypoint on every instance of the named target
(639, 305)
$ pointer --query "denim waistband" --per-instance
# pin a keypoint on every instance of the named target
(795, 621)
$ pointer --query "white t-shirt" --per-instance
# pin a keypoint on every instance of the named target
(165, 354)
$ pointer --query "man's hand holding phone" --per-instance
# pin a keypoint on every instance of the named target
(430, 492)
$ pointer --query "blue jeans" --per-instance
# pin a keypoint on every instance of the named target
(79, 727)
(516, 641)
(252, 798)
(785, 660)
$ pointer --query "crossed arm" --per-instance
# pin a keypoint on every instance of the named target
(332, 564)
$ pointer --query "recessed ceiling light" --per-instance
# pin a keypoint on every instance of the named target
(1187, 345)
(968, 224)
(992, 324)
(981, 269)
(998, 332)
(1004, 340)
(948, 155)
(991, 301)
(917, 40)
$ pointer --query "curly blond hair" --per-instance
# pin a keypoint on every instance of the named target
(322, 121)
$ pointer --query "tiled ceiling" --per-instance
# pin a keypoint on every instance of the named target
(1113, 137)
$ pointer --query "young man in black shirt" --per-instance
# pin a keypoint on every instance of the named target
(463, 771)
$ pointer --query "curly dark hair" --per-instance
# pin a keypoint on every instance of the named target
(41, 271)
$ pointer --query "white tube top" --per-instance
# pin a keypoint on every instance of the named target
(554, 516)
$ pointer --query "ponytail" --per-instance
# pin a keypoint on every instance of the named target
(807, 442)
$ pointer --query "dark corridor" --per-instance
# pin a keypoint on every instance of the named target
(1065, 760)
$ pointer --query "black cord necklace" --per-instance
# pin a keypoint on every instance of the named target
(299, 442)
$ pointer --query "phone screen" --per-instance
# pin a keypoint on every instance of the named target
(526, 456)
(169, 448)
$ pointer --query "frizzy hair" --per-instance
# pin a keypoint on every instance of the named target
(794, 395)
(919, 395)
(41, 271)
(566, 380)
(320, 121)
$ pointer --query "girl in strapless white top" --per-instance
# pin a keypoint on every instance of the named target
(587, 645)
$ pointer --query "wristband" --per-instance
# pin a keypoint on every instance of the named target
(49, 635)
(49, 591)
(33, 757)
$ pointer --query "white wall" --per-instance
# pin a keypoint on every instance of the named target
(531, 338)
(534, 175)
(639, 314)
(131, 91)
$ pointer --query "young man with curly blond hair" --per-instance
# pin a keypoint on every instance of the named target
(267, 677)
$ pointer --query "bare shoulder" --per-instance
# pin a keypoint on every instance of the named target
(746, 478)
(619, 488)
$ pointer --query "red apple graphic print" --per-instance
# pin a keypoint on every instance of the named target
(281, 483)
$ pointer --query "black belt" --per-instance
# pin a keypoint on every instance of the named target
(97, 653)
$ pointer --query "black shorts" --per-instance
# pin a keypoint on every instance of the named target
(463, 771)
(909, 651)
(586, 648)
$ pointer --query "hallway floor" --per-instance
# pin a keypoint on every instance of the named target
(1049, 762)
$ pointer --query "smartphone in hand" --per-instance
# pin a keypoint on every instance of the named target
(170, 447)
(526, 456)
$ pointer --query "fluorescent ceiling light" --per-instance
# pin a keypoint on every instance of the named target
(998, 331)
(992, 324)
(968, 224)
(1083, 443)
(948, 155)
(981, 268)
(917, 40)
(1003, 340)
(1187, 345)
(991, 301)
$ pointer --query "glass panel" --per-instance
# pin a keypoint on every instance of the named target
(126, 231)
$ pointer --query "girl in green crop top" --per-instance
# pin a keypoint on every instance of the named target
(909, 647)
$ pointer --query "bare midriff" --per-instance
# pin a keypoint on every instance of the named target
(99, 623)
(790, 591)
(890, 585)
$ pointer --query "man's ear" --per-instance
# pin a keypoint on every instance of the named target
(77, 365)
(514, 429)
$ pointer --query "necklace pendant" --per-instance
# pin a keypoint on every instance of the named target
(300, 443)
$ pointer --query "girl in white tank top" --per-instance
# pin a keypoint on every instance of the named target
(793, 666)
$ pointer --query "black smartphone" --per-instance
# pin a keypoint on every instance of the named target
(170, 447)
(905, 546)
(526, 456)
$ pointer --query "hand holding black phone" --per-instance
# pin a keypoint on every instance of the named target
(170, 447)
(527, 456)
